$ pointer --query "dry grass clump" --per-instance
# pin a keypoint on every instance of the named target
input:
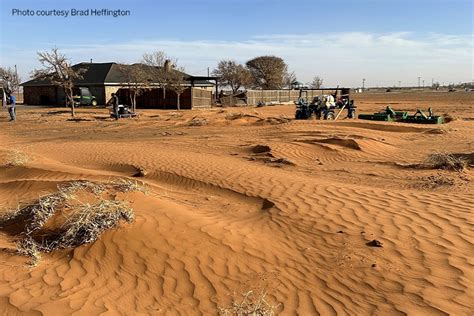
(436, 181)
(274, 120)
(84, 221)
(37, 213)
(197, 121)
(446, 161)
(252, 303)
(239, 115)
(87, 223)
(127, 185)
(15, 158)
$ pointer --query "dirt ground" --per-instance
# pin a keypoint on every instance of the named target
(247, 199)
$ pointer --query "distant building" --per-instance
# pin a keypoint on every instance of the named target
(103, 79)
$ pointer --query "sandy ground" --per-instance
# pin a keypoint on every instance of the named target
(224, 216)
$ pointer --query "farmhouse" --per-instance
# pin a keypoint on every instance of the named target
(103, 79)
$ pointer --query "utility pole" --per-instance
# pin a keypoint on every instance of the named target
(363, 83)
(208, 71)
(432, 81)
(419, 78)
(399, 83)
(423, 83)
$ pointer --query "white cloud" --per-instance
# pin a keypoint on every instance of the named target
(340, 58)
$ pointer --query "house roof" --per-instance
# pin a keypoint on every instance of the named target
(113, 74)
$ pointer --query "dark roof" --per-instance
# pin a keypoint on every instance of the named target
(111, 73)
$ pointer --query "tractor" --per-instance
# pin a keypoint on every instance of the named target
(324, 106)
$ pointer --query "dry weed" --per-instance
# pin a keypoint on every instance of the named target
(15, 158)
(239, 115)
(85, 222)
(446, 161)
(197, 121)
(251, 303)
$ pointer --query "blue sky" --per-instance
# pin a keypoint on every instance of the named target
(341, 41)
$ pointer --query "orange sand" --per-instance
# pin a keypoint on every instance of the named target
(222, 219)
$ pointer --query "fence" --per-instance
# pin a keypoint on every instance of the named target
(201, 98)
(253, 97)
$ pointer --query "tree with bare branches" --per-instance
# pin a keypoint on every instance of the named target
(161, 64)
(58, 70)
(136, 78)
(268, 72)
(317, 83)
(232, 74)
(289, 79)
(177, 82)
(10, 80)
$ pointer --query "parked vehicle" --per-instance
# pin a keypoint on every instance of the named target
(83, 96)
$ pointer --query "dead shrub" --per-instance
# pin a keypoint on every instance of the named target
(240, 115)
(84, 221)
(197, 121)
(251, 303)
(436, 181)
(15, 158)
(446, 161)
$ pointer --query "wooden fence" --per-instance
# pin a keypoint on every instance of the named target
(253, 97)
(201, 98)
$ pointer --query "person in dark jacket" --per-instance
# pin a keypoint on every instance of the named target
(115, 105)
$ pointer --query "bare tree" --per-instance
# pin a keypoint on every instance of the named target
(136, 78)
(161, 64)
(10, 80)
(268, 72)
(289, 79)
(58, 70)
(317, 83)
(177, 83)
(233, 74)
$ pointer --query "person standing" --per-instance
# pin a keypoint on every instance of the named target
(11, 104)
(115, 105)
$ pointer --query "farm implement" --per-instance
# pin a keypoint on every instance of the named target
(389, 115)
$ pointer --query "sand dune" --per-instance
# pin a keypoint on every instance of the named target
(219, 219)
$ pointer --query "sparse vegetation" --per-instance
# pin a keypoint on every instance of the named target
(254, 303)
(85, 219)
(239, 115)
(446, 161)
(437, 181)
(15, 158)
(197, 121)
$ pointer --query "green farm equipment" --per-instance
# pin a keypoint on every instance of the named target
(389, 115)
